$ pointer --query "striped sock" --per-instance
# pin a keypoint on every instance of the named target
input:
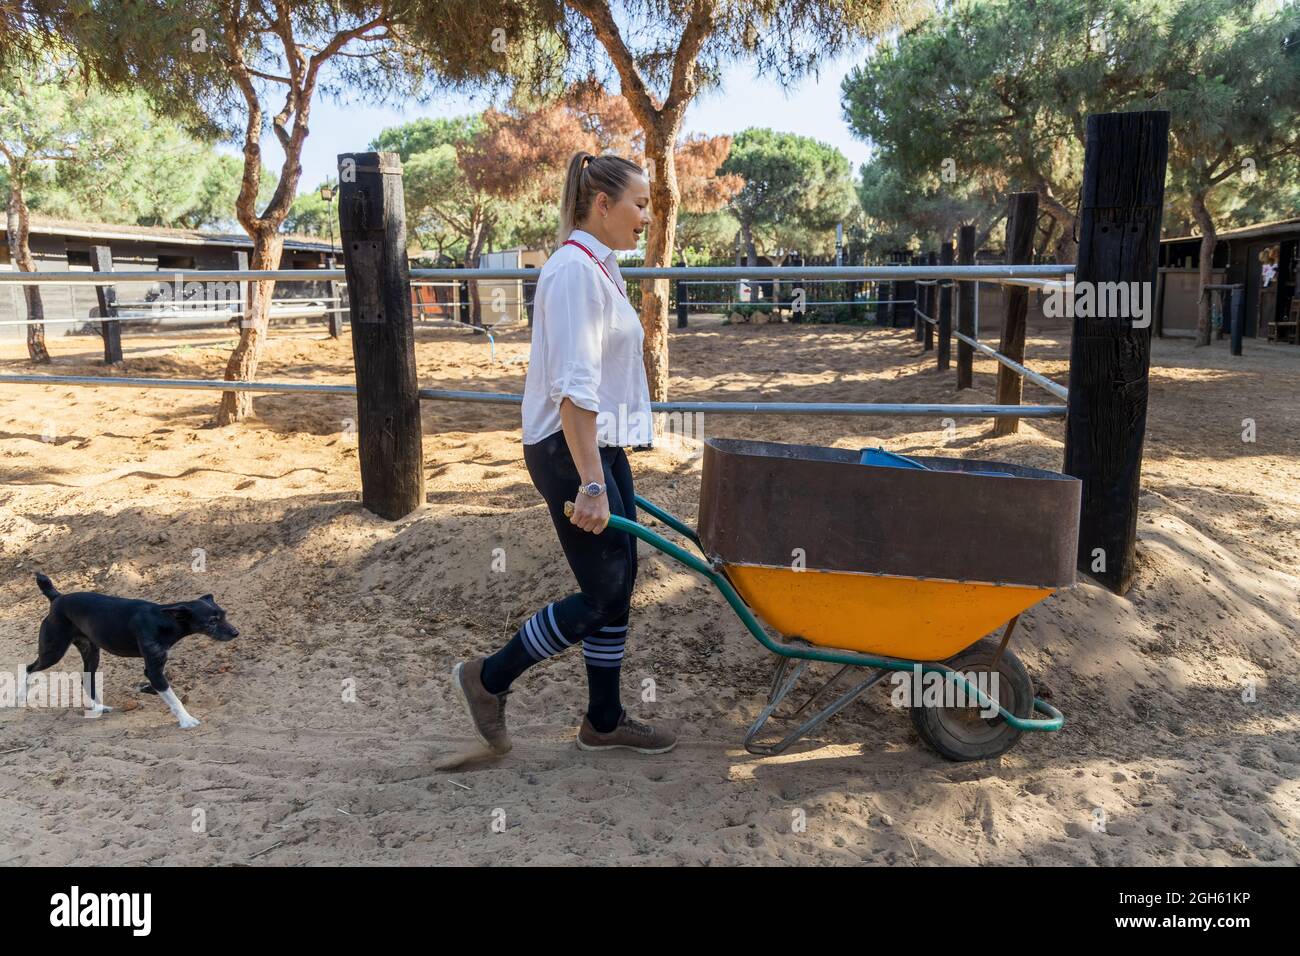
(602, 652)
(540, 637)
(605, 647)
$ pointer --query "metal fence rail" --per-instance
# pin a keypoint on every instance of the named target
(913, 410)
(947, 275)
(703, 273)
(1042, 381)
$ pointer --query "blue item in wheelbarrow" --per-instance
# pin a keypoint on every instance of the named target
(887, 459)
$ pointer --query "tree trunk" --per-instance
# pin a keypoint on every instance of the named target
(1209, 238)
(662, 233)
(478, 239)
(236, 406)
(747, 232)
(1066, 249)
(20, 252)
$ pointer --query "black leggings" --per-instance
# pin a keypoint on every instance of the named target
(605, 563)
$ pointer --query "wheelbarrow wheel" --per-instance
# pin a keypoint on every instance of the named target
(962, 733)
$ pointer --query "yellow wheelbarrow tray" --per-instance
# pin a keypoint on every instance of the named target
(948, 616)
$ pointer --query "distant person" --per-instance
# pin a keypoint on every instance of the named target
(585, 399)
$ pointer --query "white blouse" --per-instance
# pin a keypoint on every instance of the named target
(587, 342)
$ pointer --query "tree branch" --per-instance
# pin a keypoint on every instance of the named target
(634, 89)
(683, 86)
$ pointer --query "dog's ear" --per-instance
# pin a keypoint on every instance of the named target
(207, 597)
(180, 613)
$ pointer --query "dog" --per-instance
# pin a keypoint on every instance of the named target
(126, 628)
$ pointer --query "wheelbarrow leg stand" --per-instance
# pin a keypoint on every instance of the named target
(782, 687)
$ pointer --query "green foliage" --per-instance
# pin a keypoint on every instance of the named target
(796, 188)
(989, 97)
(310, 215)
(214, 201)
(109, 158)
(703, 237)
(422, 135)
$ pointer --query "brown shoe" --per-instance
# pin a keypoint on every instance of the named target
(631, 734)
(486, 711)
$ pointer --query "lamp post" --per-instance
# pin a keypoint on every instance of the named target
(327, 194)
(334, 315)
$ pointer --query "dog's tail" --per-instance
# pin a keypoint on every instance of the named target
(46, 586)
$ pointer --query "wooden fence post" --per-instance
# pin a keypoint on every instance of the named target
(110, 329)
(372, 223)
(681, 304)
(919, 293)
(1022, 223)
(905, 312)
(931, 302)
(1120, 212)
(335, 317)
(1158, 324)
(944, 353)
(965, 307)
(1237, 298)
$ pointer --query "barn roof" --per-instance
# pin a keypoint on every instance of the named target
(1278, 228)
(103, 232)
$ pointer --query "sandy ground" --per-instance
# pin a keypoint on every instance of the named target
(1162, 760)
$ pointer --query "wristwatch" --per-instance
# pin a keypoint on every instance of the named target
(593, 489)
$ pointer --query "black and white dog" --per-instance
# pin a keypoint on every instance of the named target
(126, 628)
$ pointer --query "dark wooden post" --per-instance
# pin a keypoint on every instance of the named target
(335, 317)
(944, 352)
(1236, 298)
(896, 316)
(463, 301)
(1022, 223)
(965, 307)
(372, 222)
(239, 262)
(931, 303)
(110, 329)
(919, 293)
(1158, 325)
(1122, 201)
(681, 304)
(905, 312)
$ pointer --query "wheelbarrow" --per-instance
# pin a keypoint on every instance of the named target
(889, 567)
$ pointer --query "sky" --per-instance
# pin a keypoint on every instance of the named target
(810, 108)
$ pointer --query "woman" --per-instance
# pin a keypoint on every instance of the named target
(585, 398)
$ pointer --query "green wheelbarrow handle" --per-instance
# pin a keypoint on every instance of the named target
(1055, 720)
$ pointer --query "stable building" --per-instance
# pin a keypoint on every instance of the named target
(65, 246)
(1261, 258)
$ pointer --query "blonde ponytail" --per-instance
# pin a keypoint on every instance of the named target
(587, 176)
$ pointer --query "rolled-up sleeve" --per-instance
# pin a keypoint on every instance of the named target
(575, 332)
